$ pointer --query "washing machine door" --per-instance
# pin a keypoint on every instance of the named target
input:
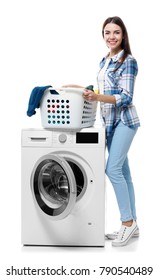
(54, 186)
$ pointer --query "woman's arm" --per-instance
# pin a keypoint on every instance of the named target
(92, 96)
(121, 96)
(106, 99)
(126, 83)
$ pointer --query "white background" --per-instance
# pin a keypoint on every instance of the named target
(58, 42)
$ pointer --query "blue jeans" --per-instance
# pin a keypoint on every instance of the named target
(118, 171)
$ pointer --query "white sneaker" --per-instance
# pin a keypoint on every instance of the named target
(112, 236)
(125, 235)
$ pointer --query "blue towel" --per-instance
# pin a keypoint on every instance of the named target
(35, 98)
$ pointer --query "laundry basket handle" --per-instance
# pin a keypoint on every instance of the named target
(56, 91)
(53, 91)
(70, 89)
(65, 90)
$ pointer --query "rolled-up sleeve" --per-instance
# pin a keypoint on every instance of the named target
(126, 83)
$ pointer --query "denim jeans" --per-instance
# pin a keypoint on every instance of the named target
(118, 171)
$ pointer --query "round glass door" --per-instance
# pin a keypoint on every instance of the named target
(54, 186)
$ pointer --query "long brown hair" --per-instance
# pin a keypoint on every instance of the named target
(125, 41)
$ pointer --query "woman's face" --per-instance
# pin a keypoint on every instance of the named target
(113, 37)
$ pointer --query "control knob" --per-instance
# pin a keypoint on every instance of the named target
(62, 138)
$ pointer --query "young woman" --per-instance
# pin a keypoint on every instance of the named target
(116, 79)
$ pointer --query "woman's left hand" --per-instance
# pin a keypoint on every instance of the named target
(90, 95)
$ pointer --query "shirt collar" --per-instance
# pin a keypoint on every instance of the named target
(117, 56)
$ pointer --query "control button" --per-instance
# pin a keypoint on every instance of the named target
(62, 138)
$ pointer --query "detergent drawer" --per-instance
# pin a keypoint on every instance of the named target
(36, 138)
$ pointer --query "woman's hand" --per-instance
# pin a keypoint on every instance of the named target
(90, 95)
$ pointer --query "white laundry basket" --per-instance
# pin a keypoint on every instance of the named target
(66, 108)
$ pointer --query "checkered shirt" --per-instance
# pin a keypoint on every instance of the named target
(119, 82)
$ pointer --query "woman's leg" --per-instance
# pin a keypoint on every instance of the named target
(128, 178)
(118, 171)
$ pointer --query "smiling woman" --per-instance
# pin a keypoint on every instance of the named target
(116, 79)
(115, 35)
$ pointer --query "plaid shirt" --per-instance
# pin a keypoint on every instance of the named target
(119, 83)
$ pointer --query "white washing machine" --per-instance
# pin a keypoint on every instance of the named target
(63, 187)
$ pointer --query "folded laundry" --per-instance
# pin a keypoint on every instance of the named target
(35, 98)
